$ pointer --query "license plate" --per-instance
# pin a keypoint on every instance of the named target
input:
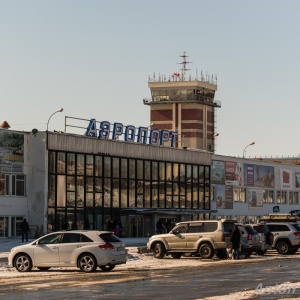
(120, 249)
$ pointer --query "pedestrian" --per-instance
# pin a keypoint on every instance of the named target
(24, 229)
(117, 230)
(235, 241)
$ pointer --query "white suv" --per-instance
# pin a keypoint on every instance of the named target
(286, 237)
(84, 249)
(203, 237)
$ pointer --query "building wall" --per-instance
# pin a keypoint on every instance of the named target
(36, 170)
(244, 210)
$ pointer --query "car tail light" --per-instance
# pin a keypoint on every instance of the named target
(297, 233)
(249, 237)
(106, 246)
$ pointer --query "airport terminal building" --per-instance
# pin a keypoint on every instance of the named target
(115, 174)
(50, 177)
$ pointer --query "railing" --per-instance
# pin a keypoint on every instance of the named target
(211, 79)
(205, 101)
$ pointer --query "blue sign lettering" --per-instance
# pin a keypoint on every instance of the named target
(131, 134)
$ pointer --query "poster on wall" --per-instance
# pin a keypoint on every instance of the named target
(259, 176)
(11, 152)
(297, 175)
(229, 197)
(218, 172)
(285, 179)
(233, 173)
(220, 196)
(255, 198)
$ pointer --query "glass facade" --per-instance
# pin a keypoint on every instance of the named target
(89, 190)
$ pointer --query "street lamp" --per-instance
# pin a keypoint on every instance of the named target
(212, 144)
(59, 110)
(244, 152)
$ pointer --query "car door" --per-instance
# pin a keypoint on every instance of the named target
(177, 237)
(46, 250)
(70, 244)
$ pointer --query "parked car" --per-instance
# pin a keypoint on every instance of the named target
(250, 241)
(84, 249)
(265, 236)
(286, 237)
(203, 237)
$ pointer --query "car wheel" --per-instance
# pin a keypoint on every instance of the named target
(283, 247)
(23, 263)
(222, 254)
(176, 255)
(43, 268)
(107, 268)
(206, 251)
(159, 250)
(87, 263)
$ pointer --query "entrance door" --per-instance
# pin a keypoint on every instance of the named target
(136, 226)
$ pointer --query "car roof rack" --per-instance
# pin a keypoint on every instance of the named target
(280, 218)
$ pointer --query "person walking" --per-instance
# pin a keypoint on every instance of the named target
(235, 241)
(24, 229)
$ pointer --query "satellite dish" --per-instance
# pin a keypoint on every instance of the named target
(34, 131)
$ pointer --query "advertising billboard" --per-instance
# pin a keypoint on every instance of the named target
(11, 152)
(259, 176)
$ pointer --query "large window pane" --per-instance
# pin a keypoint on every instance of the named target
(124, 193)
(162, 171)
(124, 167)
(51, 190)
(80, 190)
(147, 194)
(61, 163)
(61, 190)
(140, 169)
(131, 168)
(98, 166)
(107, 167)
(80, 164)
(89, 165)
(154, 170)
(52, 162)
(71, 163)
(147, 170)
(131, 193)
(116, 167)
(107, 192)
(175, 172)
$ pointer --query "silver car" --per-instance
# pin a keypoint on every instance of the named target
(84, 249)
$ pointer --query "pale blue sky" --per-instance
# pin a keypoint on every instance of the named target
(93, 58)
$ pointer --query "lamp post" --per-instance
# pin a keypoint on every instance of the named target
(244, 152)
(211, 146)
(59, 110)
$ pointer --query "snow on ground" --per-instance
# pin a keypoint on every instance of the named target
(147, 261)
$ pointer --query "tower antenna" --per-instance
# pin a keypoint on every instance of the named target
(184, 62)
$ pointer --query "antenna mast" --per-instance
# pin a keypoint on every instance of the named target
(183, 63)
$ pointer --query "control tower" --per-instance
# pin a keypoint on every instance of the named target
(187, 105)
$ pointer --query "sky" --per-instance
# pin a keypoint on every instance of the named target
(93, 59)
